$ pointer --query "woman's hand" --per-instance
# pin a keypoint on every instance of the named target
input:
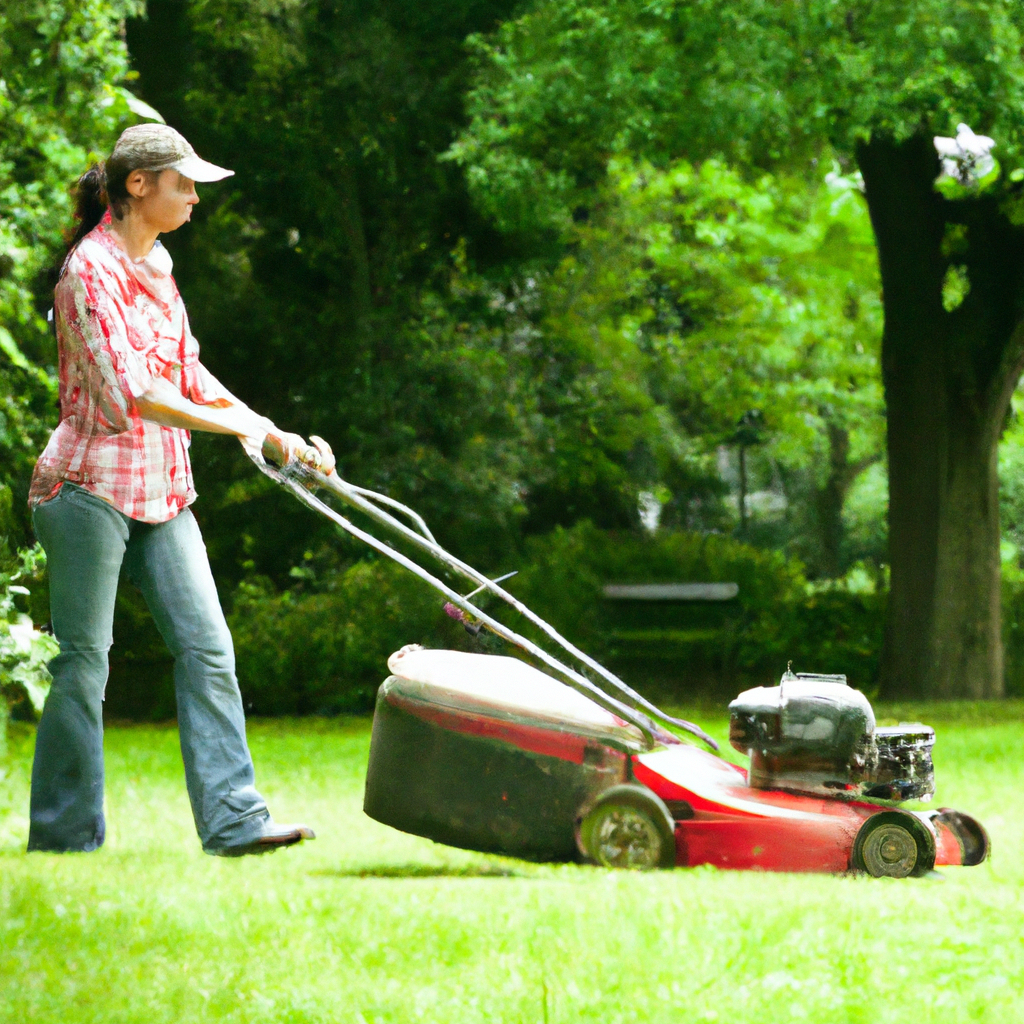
(327, 460)
(281, 448)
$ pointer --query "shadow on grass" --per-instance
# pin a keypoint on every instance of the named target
(424, 871)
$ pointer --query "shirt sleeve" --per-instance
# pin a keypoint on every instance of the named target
(95, 314)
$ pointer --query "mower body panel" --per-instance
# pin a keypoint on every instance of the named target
(481, 783)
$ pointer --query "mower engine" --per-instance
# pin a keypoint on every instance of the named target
(814, 734)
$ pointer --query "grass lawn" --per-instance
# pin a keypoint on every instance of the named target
(369, 925)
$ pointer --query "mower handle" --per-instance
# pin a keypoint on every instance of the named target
(296, 475)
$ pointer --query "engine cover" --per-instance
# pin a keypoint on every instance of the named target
(816, 734)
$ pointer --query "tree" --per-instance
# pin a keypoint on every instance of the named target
(568, 85)
(62, 68)
(731, 302)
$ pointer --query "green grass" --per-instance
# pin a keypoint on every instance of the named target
(369, 925)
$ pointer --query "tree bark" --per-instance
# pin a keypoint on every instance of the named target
(948, 380)
(743, 490)
(832, 496)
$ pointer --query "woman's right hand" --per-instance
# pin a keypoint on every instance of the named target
(327, 461)
(282, 448)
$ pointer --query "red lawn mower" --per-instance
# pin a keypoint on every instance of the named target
(492, 754)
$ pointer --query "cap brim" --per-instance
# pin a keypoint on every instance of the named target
(197, 169)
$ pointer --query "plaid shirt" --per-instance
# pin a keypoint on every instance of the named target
(121, 324)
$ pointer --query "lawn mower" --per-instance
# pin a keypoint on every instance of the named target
(490, 753)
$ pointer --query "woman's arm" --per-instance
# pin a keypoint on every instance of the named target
(163, 403)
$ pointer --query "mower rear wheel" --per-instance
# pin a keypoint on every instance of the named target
(628, 827)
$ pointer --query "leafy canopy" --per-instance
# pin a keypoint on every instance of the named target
(692, 297)
(564, 87)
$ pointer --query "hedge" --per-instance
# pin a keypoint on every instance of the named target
(324, 651)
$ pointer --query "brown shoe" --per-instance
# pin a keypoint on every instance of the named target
(274, 838)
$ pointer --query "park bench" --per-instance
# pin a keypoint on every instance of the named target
(666, 621)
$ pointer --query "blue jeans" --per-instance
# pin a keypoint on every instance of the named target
(87, 542)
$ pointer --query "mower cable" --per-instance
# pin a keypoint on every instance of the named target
(364, 492)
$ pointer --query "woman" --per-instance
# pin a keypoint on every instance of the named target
(112, 490)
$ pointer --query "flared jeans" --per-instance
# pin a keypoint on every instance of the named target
(88, 543)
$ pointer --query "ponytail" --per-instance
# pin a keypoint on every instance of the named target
(90, 192)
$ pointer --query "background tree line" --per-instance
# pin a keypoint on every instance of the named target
(536, 266)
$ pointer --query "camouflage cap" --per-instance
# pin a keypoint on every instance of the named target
(158, 147)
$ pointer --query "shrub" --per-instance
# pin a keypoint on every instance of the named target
(1013, 631)
(682, 648)
(24, 650)
(325, 650)
(324, 653)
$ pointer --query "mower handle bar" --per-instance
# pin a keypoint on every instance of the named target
(295, 475)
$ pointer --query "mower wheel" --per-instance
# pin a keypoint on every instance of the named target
(893, 845)
(628, 827)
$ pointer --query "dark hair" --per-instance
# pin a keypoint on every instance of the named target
(104, 184)
(90, 193)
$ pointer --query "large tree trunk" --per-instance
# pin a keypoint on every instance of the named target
(948, 380)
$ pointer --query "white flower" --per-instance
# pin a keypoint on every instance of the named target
(968, 157)
(22, 633)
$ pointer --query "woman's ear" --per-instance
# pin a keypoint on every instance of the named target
(137, 183)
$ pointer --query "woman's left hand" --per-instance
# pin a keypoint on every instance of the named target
(327, 461)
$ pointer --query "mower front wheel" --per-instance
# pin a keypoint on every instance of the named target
(628, 827)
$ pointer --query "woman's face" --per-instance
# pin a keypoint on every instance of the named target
(163, 201)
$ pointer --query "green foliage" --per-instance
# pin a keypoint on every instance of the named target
(1011, 509)
(567, 89)
(328, 281)
(681, 650)
(326, 651)
(24, 650)
(757, 296)
(495, 408)
(321, 646)
(688, 298)
(62, 103)
(1011, 475)
(567, 85)
(1013, 632)
(865, 516)
(438, 416)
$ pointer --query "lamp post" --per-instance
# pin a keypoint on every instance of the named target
(749, 431)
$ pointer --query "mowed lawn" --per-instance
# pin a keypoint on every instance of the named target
(369, 925)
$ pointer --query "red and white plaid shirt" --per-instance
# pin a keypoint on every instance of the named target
(121, 324)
